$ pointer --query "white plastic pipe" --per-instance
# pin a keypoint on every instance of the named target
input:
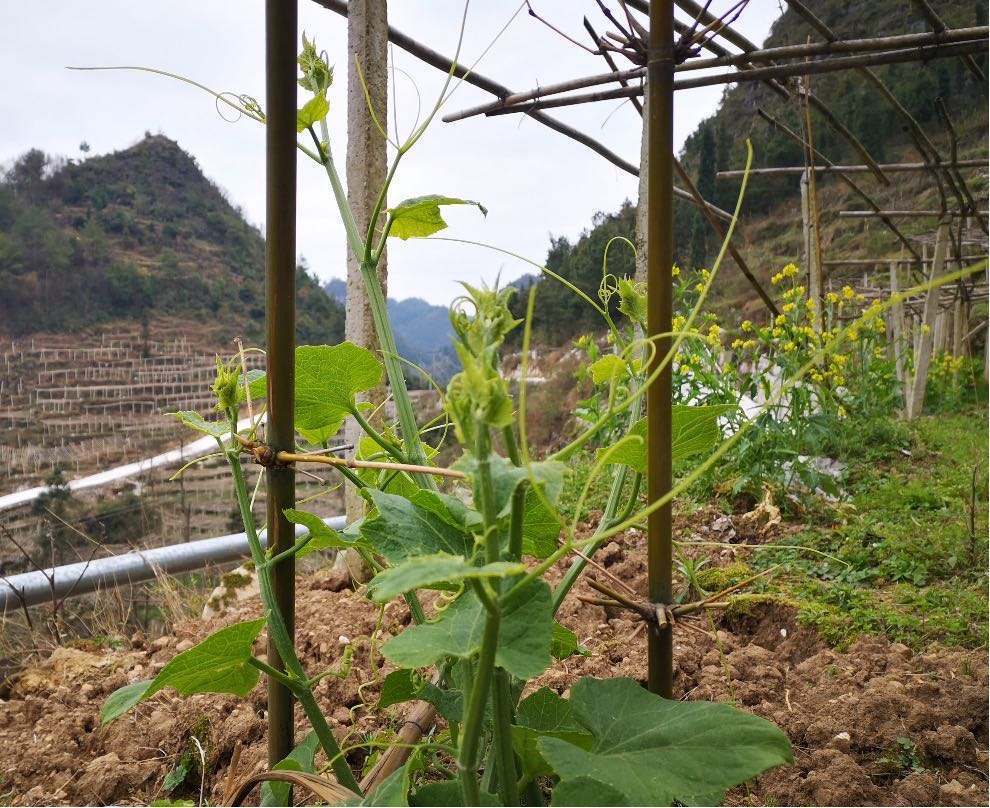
(34, 588)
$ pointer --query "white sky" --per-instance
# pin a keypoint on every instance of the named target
(534, 181)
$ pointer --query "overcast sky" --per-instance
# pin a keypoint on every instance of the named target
(534, 182)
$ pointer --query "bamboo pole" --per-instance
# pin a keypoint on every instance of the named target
(849, 182)
(473, 77)
(923, 54)
(692, 189)
(832, 47)
(897, 328)
(281, 25)
(660, 259)
(906, 214)
(939, 27)
(853, 169)
(923, 356)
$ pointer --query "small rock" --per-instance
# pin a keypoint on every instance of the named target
(842, 742)
(185, 645)
(161, 642)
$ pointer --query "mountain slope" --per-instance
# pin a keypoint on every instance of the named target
(422, 330)
(135, 235)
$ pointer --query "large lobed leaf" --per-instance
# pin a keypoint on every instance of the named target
(524, 634)
(430, 570)
(219, 664)
(653, 751)
(400, 529)
(420, 217)
(328, 377)
(324, 536)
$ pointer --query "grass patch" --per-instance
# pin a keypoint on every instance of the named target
(903, 559)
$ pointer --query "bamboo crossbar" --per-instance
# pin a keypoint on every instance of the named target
(922, 54)
(866, 262)
(864, 214)
(980, 163)
(832, 47)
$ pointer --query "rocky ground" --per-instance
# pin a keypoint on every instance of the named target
(876, 724)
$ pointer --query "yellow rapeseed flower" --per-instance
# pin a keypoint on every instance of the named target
(787, 308)
(848, 293)
(746, 325)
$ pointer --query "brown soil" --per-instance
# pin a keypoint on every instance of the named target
(874, 725)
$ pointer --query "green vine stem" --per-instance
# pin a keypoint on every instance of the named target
(298, 682)
(612, 506)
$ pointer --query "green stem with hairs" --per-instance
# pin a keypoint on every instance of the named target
(474, 714)
(277, 629)
(377, 437)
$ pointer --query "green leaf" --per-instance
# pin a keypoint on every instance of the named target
(327, 379)
(541, 527)
(324, 536)
(312, 112)
(408, 685)
(447, 793)
(300, 759)
(585, 791)
(548, 474)
(257, 384)
(420, 217)
(428, 570)
(695, 429)
(176, 776)
(564, 642)
(122, 699)
(393, 790)
(219, 664)
(607, 368)
(400, 529)
(653, 751)
(448, 508)
(193, 420)
(632, 300)
(524, 634)
(544, 714)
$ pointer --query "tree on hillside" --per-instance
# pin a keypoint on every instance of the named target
(701, 230)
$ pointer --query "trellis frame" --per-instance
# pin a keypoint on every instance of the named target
(751, 65)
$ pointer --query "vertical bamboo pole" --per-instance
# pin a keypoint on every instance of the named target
(281, 21)
(897, 330)
(810, 201)
(923, 357)
(660, 260)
